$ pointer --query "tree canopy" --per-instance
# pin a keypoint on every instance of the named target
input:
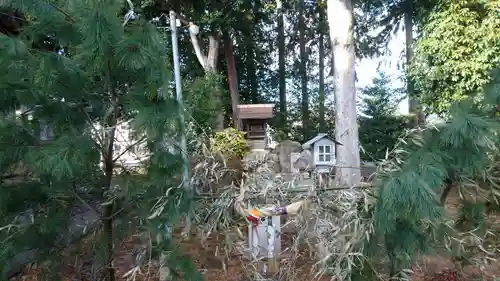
(459, 46)
(380, 126)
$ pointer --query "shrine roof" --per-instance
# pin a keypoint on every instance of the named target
(256, 111)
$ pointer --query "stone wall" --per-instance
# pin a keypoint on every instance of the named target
(287, 157)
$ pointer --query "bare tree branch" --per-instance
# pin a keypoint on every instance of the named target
(198, 49)
(128, 148)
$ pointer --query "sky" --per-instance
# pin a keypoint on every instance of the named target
(366, 69)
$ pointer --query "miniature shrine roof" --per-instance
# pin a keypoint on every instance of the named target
(256, 111)
(310, 142)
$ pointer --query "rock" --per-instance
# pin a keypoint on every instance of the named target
(256, 155)
(304, 161)
(273, 162)
(285, 149)
(294, 157)
(83, 221)
(253, 159)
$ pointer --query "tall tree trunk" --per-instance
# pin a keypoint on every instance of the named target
(303, 74)
(252, 77)
(232, 78)
(282, 74)
(414, 107)
(251, 54)
(341, 22)
(321, 12)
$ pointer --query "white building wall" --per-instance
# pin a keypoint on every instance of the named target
(126, 149)
(324, 141)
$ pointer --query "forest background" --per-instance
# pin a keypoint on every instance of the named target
(75, 71)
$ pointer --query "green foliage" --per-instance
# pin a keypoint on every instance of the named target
(72, 107)
(230, 142)
(379, 126)
(471, 216)
(381, 19)
(364, 273)
(294, 131)
(411, 181)
(201, 102)
(460, 44)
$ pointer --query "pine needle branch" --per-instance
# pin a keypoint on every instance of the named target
(127, 149)
(73, 19)
(97, 134)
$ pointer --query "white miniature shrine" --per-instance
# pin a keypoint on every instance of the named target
(322, 148)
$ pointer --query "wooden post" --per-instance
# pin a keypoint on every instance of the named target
(254, 232)
(273, 243)
(264, 239)
(264, 243)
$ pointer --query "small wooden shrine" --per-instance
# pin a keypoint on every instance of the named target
(254, 119)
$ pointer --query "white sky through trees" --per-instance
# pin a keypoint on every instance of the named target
(366, 70)
(391, 64)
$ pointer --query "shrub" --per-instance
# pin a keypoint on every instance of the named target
(230, 143)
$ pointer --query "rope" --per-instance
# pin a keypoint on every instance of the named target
(202, 196)
(256, 215)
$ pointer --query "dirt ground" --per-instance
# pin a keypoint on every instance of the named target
(218, 268)
(213, 267)
(441, 268)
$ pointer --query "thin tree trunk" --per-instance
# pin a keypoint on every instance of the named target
(250, 63)
(257, 51)
(209, 64)
(414, 107)
(282, 74)
(109, 141)
(341, 22)
(322, 123)
(303, 74)
(232, 78)
(212, 62)
(251, 71)
(448, 186)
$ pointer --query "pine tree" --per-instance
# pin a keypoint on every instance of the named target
(72, 75)
(409, 215)
(380, 127)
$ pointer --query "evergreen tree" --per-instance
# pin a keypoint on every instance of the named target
(380, 127)
(409, 216)
(71, 76)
